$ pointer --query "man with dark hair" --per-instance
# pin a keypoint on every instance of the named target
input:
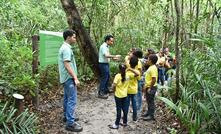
(104, 58)
(68, 77)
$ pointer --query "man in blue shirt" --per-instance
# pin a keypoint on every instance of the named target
(104, 58)
(68, 77)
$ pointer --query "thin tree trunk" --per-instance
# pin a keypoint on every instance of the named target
(177, 7)
(191, 22)
(88, 49)
(172, 16)
(166, 25)
(182, 40)
(217, 14)
(196, 21)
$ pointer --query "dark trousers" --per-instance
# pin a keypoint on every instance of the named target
(150, 97)
(121, 104)
(161, 74)
(104, 80)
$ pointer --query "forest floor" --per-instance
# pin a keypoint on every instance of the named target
(96, 114)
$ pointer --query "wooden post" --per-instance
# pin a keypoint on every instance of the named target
(19, 105)
(35, 51)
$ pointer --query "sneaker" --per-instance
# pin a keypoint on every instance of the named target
(110, 91)
(65, 119)
(114, 126)
(148, 118)
(134, 118)
(123, 124)
(74, 127)
(105, 96)
(144, 115)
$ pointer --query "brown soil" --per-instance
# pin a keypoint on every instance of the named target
(96, 114)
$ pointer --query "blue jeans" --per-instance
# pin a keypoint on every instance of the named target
(139, 95)
(104, 80)
(121, 103)
(70, 101)
(161, 73)
(132, 97)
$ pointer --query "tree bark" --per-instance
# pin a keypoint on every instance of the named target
(166, 26)
(177, 7)
(88, 49)
(196, 21)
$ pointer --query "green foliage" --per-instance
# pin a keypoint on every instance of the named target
(19, 21)
(15, 59)
(21, 124)
(134, 24)
(200, 107)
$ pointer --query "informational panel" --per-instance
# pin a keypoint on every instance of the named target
(50, 43)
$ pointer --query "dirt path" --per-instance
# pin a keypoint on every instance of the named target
(95, 115)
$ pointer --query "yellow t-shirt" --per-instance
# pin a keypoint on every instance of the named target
(151, 72)
(137, 67)
(121, 87)
(126, 58)
(133, 83)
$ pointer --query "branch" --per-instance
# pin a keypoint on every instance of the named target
(215, 11)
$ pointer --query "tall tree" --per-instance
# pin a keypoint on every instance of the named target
(88, 49)
(177, 8)
(196, 21)
(166, 25)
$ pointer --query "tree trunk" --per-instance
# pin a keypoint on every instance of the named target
(191, 22)
(88, 49)
(177, 7)
(196, 21)
(166, 26)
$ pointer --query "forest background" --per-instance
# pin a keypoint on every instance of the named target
(190, 28)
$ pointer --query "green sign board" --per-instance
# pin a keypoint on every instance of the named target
(50, 43)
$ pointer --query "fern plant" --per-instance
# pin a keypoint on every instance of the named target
(21, 124)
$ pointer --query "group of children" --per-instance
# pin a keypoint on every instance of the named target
(137, 76)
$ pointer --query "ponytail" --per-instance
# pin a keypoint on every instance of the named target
(122, 68)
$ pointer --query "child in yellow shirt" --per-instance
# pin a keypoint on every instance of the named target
(133, 86)
(120, 87)
(150, 86)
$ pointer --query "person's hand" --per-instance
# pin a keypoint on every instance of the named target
(76, 81)
(143, 97)
(148, 90)
(117, 57)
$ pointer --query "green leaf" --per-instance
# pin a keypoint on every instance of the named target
(217, 96)
(205, 110)
(11, 114)
(171, 104)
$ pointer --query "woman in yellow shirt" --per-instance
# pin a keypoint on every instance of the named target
(120, 87)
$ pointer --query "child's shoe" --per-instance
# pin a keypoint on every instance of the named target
(123, 124)
(148, 118)
(114, 126)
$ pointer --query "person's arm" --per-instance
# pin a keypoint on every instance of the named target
(71, 72)
(115, 57)
(114, 87)
(136, 72)
(153, 81)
